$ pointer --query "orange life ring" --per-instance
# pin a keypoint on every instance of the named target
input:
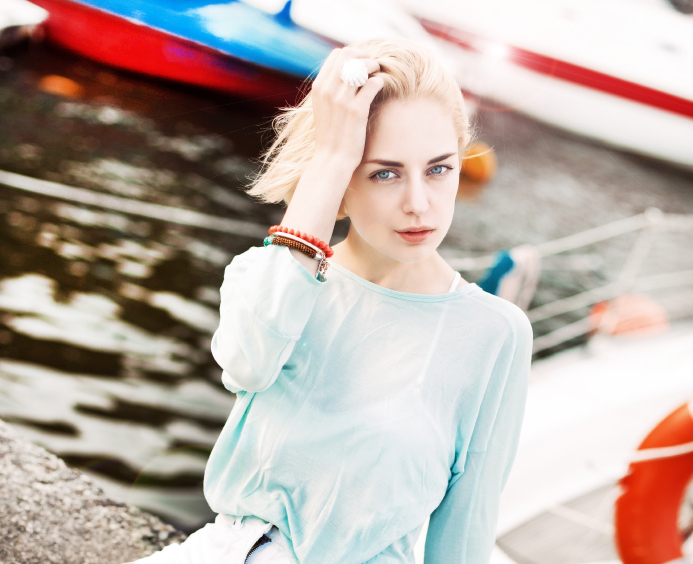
(652, 492)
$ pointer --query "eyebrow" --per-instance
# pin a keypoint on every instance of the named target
(395, 163)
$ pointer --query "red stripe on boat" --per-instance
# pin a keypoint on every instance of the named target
(567, 71)
(126, 44)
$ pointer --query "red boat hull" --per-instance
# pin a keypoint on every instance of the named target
(122, 43)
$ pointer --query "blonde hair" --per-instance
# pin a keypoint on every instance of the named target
(410, 71)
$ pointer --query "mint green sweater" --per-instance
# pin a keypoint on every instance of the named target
(361, 411)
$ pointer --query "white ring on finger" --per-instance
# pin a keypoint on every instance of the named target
(354, 72)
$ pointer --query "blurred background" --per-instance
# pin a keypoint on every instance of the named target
(128, 129)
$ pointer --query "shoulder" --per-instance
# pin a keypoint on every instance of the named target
(515, 352)
(270, 255)
(255, 253)
(503, 315)
(247, 257)
(513, 347)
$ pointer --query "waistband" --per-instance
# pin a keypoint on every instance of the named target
(252, 528)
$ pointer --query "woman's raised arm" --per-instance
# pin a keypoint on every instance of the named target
(340, 114)
(269, 292)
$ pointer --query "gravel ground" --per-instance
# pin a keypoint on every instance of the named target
(54, 514)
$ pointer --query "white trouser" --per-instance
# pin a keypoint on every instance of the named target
(226, 541)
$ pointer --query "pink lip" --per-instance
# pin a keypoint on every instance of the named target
(415, 237)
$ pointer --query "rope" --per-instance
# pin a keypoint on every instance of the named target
(664, 452)
(652, 217)
(132, 207)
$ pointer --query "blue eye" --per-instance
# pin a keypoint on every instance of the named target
(384, 175)
(379, 175)
(444, 171)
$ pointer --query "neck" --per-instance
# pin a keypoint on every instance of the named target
(431, 275)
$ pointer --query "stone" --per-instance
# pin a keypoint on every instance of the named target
(54, 514)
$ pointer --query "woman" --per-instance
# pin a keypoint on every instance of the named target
(389, 392)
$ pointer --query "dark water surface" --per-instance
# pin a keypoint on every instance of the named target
(106, 317)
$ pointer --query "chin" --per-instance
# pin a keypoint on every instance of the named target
(409, 254)
(392, 245)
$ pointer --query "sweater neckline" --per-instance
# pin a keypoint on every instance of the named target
(464, 290)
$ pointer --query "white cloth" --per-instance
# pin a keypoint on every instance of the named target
(362, 411)
(455, 282)
(229, 538)
(226, 541)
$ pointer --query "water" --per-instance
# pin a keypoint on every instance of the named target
(106, 317)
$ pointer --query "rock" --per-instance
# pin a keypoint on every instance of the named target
(55, 514)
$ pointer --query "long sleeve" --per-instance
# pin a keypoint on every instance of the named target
(267, 297)
(462, 528)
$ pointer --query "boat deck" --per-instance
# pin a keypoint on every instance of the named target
(587, 411)
(576, 532)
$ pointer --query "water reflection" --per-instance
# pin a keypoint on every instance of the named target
(103, 363)
(139, 435)
(106, 317)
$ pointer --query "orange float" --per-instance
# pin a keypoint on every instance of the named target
(646, 513)
(61, 86)
(629, 313)
(480, 162)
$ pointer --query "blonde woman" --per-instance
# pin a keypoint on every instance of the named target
(389, 389)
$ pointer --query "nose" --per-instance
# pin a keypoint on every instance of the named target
(415, 197)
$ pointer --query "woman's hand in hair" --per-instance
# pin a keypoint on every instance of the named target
(341, 115)
(341, 111)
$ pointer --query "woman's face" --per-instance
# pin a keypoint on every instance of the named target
(407, 179)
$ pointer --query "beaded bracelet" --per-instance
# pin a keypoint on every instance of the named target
(324, 247)
(323, 264)
(301, 241)
(298, 245)
(303, 247)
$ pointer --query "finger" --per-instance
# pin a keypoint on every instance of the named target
(369, 90)
(372, 65)
(347, 53)
(328, 64)
(332, 66)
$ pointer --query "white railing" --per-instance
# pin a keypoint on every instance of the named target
(648, 224)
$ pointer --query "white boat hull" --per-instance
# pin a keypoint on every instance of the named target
(602, 117)
(618, 72)
(18, 19)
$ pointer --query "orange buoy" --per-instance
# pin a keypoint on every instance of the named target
(61, 86)
(646, 515)
(629, 313)
(480, 162)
